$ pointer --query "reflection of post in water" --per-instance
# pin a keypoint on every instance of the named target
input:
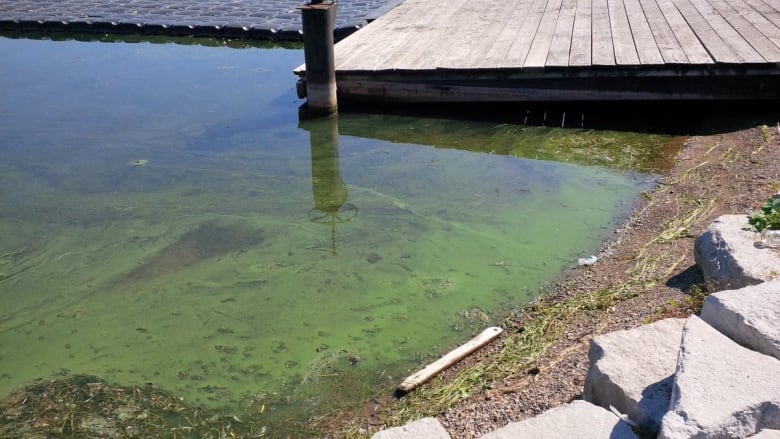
(330, 191)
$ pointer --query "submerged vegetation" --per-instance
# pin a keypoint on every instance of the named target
(209, 240)
(621, 150)
(86, 406)
(174, 248)
(533, 329)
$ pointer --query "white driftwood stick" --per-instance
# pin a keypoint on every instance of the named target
(452, 357)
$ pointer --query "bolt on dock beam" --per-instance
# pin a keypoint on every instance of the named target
(319, 19)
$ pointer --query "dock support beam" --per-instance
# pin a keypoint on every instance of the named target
(319, 19)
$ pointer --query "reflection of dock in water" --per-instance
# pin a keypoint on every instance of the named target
(329, 190)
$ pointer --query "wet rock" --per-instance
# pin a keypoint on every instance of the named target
(632, 370)
(578, 419)
(721, 389)
(428, 428)
(748, 316)
(728, 258)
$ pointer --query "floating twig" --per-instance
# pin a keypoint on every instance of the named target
(452, 357)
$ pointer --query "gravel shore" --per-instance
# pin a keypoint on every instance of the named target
(725, 173)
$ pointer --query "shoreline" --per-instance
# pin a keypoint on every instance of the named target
(645, 272)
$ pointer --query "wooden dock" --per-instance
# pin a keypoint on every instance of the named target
(563, 50)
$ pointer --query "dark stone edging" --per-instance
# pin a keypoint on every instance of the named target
(275, 20)
(239, 31)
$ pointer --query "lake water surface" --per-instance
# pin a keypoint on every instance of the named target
(166, 219)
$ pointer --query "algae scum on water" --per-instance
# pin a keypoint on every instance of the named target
(167, 222)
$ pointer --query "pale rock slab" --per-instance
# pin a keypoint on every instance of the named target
(721, 389)
(766, 434)
(750, 316)
(633, 371)
(421, 428)
(578, 419)
(728, 257)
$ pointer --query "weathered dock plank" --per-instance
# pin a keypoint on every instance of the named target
(390, 34)
(509, 30)
(484, 50)
(723, 29)
(350, 49)
(644, 41)
(773, 4)
(757, 40)
(518, 51)
(715, 46)
(689, 42)
(668, 45)
(580, 50)
(467, 44)
(763, 24)
(493, 33)
(601, 31)
(766, 11)
(363, 50)
(561, 43)
(429, 41)
(622, 39)
(540, 46)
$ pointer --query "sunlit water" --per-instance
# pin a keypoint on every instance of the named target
(164, 218)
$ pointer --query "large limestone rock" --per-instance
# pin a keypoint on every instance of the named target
(767, 434)
(422, 428)
(578, 419)
(728, 257)
(633, 371)
(750, 316)
(721, 389)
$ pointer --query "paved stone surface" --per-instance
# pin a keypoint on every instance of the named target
(633, 371)
(256, 19)
(578, 419)
(721, 389)
(428, 428)
(750, 316)
(728, 257)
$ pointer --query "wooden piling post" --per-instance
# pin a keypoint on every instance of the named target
(319, 19)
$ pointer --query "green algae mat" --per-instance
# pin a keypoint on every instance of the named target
(167, 221)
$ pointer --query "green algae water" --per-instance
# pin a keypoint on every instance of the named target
(166, 219)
